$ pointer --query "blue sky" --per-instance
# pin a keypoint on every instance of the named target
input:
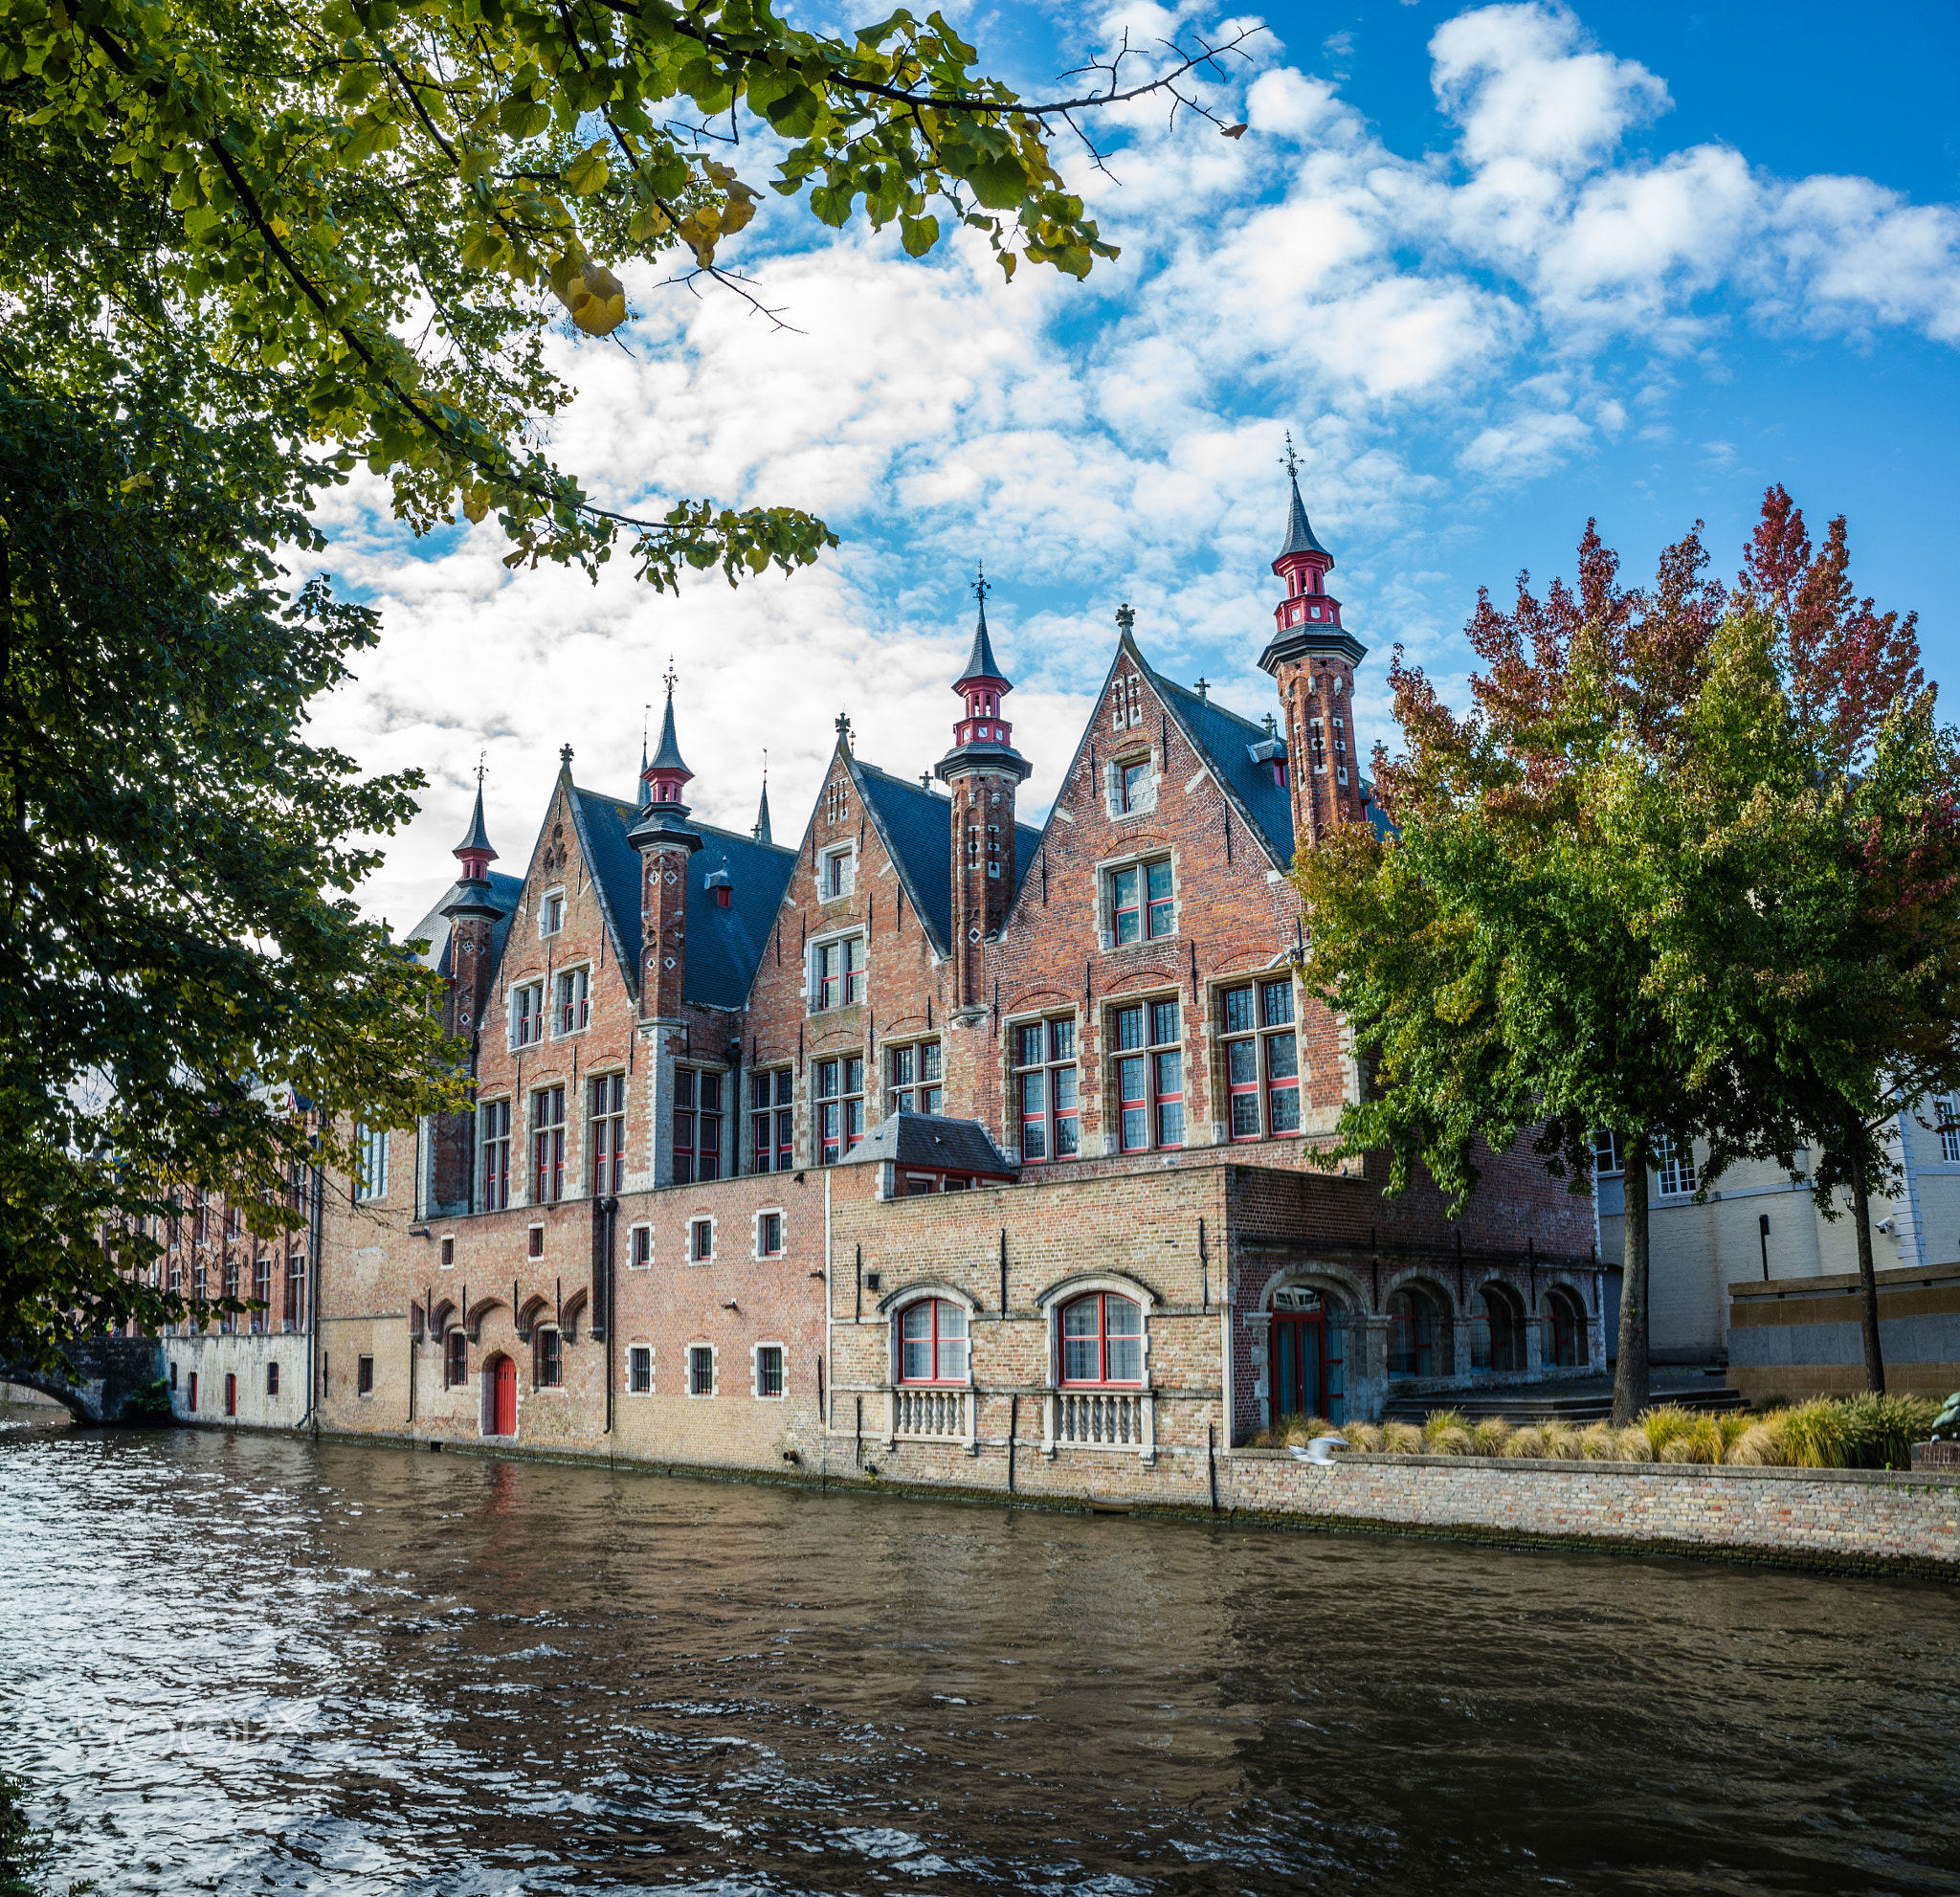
(1498, 269)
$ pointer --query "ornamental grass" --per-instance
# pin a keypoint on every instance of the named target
(1824, 1433)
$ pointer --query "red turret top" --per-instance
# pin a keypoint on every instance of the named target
(983, 684)
(662, 780)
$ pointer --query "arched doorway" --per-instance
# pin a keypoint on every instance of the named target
(1308, 1355)
(1497, 1331)
(1563, 1342)
(1419, 1337)
(500, 1397)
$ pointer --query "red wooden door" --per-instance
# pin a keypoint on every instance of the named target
(504, 1399)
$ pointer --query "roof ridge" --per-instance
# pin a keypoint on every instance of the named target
(1223, 709)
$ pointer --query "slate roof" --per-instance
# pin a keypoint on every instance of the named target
(933, 1141)
(917, 830)
(434, 927)
(1222, 738)
(725, 946)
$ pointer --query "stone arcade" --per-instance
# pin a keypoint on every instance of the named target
(931, 1143)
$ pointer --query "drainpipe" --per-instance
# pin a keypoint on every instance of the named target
(610, 1207)
(829, 1303)
(313, 1223)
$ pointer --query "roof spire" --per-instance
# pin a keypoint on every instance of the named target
(668, 772)
(981, 662)
(1299, 538)
(475, 851)
(760, 832)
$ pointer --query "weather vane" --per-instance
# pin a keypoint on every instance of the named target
(480, 756)
(671, 677)
(1289, 460)
(981, 586)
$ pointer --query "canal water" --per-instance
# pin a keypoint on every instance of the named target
(238, 1663)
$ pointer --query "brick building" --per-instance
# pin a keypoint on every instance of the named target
(932, 1142)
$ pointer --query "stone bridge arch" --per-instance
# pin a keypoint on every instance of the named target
(107, 1381)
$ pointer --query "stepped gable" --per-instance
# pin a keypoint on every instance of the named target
(434, 927)
(915, 825)
(725, 946)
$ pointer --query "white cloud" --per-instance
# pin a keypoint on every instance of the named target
(1428, 325)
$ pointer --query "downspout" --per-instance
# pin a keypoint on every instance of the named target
(313, 1224)
(611, 1209)
(829, 1303)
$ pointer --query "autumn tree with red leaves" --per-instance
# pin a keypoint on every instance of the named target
(1595, 910)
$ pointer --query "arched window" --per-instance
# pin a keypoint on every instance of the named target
(1562, 1340)
(1418, 1338)
(1497, 1332)
(1103, 1339)
(932, 1342)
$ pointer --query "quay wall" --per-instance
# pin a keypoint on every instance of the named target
(1836, 1521)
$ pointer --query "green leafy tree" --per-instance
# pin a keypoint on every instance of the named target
(247, 247)
(357, 220)
(1654, 882)
(180, 949)
(1866, 969)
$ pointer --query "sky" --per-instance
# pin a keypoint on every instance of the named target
(1496, 269)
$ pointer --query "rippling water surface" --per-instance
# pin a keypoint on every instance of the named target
(241, 1663)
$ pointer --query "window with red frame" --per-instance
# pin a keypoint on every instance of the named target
(527, 1014)
(697, 1125)
(1261, 1059)
(574, 1000)
(932, 1342)
(1141, 903)
(1045, 1087)
(1149, 1075)
(1103, 1339)
(547, 1145)
(608, 1097)
(495, 1119)
(840, 974)
(772, 1120)
(840, 1106)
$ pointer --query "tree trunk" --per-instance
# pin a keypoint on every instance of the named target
(1867, 1275)
(1629, 1375)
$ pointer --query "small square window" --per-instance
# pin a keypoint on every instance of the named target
(640, 1251)
(550, 1360)
(701, 1370)
(639, 1370)
(272, 1378)
(768, 1369)
(768, 1236)
(536, 1241)
(837, 873)
(551, 917)
(448, 1253)
(700, 1240)
(364, 1376)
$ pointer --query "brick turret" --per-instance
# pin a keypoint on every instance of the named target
(665, 840)
(1312, 657)
(472, 921)
(984, 771)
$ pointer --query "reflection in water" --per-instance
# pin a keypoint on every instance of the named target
(241, 1663)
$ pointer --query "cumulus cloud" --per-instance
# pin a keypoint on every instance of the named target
(1433, 327)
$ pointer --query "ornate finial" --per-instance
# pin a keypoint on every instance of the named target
(564, 755)
(982, 586)
(1204, 691)
(844, 730)
(480, 756)
(1272, 728)
(765, 766)
(1289, 460)
(1125, 618)
(926, 780)
(671, 677)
